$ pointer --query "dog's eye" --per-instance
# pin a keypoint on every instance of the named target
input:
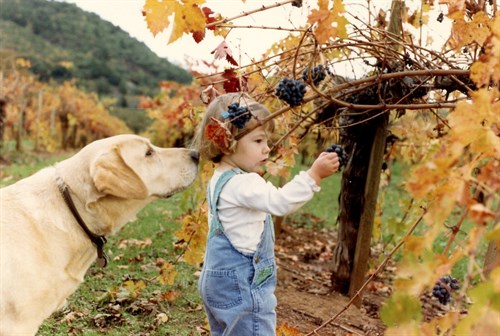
(150, 152)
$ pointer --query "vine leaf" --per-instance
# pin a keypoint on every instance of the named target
(233, 83)
(287, 330)
(209, 94)
(481, 214)
(132, 289)
(194, 234)
(476, 129)
(170, 296)
(218, 133)
(187, 17)
(466, 32)
(486, 297)
(420, 17)
(286, 159)
(224, 52)
(167, 274)
(488, 67)
(199, 35)
(401, 309)
(330, 23)
(154, 13)
(453, 5)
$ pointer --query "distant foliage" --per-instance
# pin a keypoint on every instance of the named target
(52, 116)
(104, 58)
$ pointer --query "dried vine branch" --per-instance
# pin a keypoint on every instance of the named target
(263, 8)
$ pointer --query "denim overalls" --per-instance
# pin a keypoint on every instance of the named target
(238, 289)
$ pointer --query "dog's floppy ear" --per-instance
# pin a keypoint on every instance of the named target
(113, 176)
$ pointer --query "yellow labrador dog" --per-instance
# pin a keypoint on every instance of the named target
(53, 224)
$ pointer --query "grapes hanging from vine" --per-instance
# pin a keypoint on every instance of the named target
(291, 91)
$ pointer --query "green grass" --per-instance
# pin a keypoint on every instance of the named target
(26, 162)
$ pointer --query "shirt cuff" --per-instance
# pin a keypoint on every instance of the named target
(310, 181)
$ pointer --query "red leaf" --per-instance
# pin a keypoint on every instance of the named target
(231, 60)
(198, 36)
(218, 134)
(233, 83)
(207, 11)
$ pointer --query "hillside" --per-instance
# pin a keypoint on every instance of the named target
(63, 42)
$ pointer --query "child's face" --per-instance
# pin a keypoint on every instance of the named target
(251, 151)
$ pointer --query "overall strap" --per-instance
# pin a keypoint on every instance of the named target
(213, 200)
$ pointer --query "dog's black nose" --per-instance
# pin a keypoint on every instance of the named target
(195, 155)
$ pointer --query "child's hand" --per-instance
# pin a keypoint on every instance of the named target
(325, 165)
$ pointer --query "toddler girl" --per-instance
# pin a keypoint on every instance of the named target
(238, 278)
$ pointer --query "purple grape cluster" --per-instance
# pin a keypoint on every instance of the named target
(238, 115)
(318, 73)
(443, 287)
(343, 157)
(291, 91)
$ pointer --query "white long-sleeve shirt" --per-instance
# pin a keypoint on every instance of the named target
(247, 198)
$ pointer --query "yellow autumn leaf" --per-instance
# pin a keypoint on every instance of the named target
(167, 274)
(329, 23)
(427, 176)
(465, 32)
(187, 17)
(420, 17)
(482, 315)
(472, 123)
(134, 288)
(444, 200)
(286, 330)
(418, 270)
(480, 73)
(487, 68)
(444, 323)
(194, 235)
(156, 14)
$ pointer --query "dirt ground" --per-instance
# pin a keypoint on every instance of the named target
(305, 299)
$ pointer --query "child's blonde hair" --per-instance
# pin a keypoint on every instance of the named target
(208, 150)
